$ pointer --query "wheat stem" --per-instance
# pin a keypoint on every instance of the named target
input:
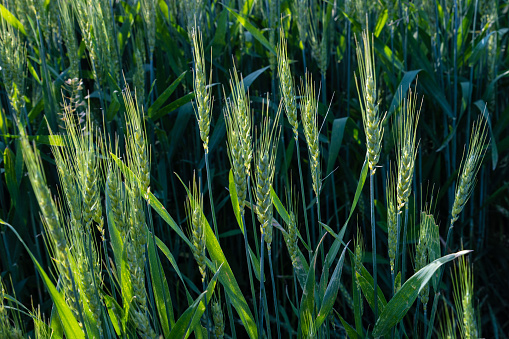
(274, 295)
(262, 285)
(211, 198)
(373, 239)
(303, 195)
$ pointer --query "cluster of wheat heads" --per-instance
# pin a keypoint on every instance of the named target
(136, 300)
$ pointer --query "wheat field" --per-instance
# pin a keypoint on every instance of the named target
(254, 169)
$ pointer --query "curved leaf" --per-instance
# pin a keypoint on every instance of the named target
(11, 19)
(69, 323)
(399, 305)
(252, 29)
(331, 292)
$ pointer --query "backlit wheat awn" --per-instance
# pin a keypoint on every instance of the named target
(367, 91)
(469, 167)
(406, 151)
(287, 89)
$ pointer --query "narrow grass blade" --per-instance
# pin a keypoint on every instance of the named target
(164, 96)
(191, 317)
(338, 130)
(366, 282)
(160, 288)
(154, 202)
(350, 331)
(307, 303)
(71, 327)
(331, 292)
(157, 114)
(113, 308)
(402, 90)
(11, 19)
(252, 29)
(399, 305)
(226, 276)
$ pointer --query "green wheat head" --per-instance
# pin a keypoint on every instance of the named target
(309, 116)
(406, 147)
(195, 217)
(203, 96)
(367, 91)
(469, 167)
(287, 84)
(265, 166)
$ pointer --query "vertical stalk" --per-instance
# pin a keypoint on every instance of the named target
(416, 315)
(425, 319)
(373, 239)
(403, 254)
(153, 94)
(211, 198)
(207, 309)
(274, 295)
(304, 58)
(324, 89)
(303, 194)
(230, 316)
(433, 313)
(262, 287)
(248, 256)
(257, 247)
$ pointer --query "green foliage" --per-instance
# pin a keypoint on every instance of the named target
(93, 173)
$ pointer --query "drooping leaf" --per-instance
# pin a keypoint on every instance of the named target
(399, 305)
(331, 292)
(71, 327)
(252, 29)
(11, 19)
(164, 96)
(401, 92)
(160, 288)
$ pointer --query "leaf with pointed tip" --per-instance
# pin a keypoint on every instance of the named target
(11, 19)
(399, 305)
(191, 317)
(252, 29)
(164, 96)
(331, 292)
(307, 302)
(71, 327)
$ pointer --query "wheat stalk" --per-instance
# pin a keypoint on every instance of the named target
(265, 165)
(463, 291)
(194, 208)
(469, 168)
(287, 85)
(392, 220)
(367, 91)
(309, 116)
(203, 97)
(406, 147)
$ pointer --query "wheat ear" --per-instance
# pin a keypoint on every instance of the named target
(286, 84)
(367, 91)
(309, 116)
(463, 290)
(203, 97)
(265, 161)
(217, 316)
(194, 208)
(469, 167)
